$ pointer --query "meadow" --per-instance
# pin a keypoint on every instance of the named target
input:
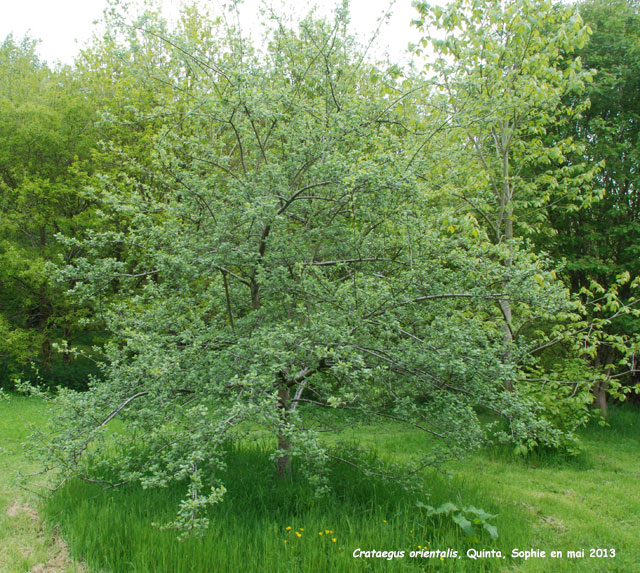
(547, 502)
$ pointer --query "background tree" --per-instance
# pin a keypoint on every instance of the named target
(505, 76)
(600, 242)
(46, 137)
(58, 143)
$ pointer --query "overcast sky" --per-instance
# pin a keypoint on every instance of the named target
(63, 26)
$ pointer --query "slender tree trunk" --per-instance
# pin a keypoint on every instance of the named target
(284, 403)
(45, 350)
(255, 294)
(505, 305)
(44, 312)
(284, 445)
(600, 388)
(507, 355)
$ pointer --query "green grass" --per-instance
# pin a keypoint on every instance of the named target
(249, 529)
(591, 501)
(547, 502)
(26, 543)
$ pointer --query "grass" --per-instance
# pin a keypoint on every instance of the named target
(26, 543)
(249, 530)
(547, 502)
(588, 502)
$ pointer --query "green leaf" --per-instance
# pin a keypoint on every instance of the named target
(492, 530)
(464, 523)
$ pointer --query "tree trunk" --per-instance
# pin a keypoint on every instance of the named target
(44, 312)
(45, 351)
(600, 393)
(507, 356)
(255, 294)
(604, 356)
(284, 445)
(505, 305)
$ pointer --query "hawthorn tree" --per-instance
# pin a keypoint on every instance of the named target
(278, 259)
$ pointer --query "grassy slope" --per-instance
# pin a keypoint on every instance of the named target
(25, 543)
(547, 503)
(590, 501)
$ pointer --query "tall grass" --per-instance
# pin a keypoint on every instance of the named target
(249, 531)
(547, 501)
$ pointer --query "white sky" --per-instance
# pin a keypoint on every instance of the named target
(63, 26)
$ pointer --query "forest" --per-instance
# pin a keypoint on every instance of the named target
(288, 277)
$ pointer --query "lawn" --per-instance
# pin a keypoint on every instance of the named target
(545, 503)
(27, 543)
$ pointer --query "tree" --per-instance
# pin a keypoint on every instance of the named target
(46, 135)
(600, 242)
(505, 75)
(277, 260)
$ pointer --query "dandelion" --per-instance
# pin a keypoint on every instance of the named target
(328, 531)
(298, 534)
(302, 529)
(441, 558)
(384, 521)
(288, 528)
(320, 533)
(334, 539)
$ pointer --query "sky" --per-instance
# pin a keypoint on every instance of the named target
(63, 26)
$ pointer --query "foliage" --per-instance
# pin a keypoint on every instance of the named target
(501, 72)
(504, 76)
(606, 244)
(465, 517)
(286, 236)
(45, 141)
(600, 355)
(600, 242)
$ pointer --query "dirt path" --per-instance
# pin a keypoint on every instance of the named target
(26, 546)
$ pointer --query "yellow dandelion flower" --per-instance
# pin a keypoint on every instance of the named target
(298, 534)
(419, 546)
(288, 528)
(441, 558)
(384, 521)
(327, 531)
(302, 529)
(334, 539)
(320, 533)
